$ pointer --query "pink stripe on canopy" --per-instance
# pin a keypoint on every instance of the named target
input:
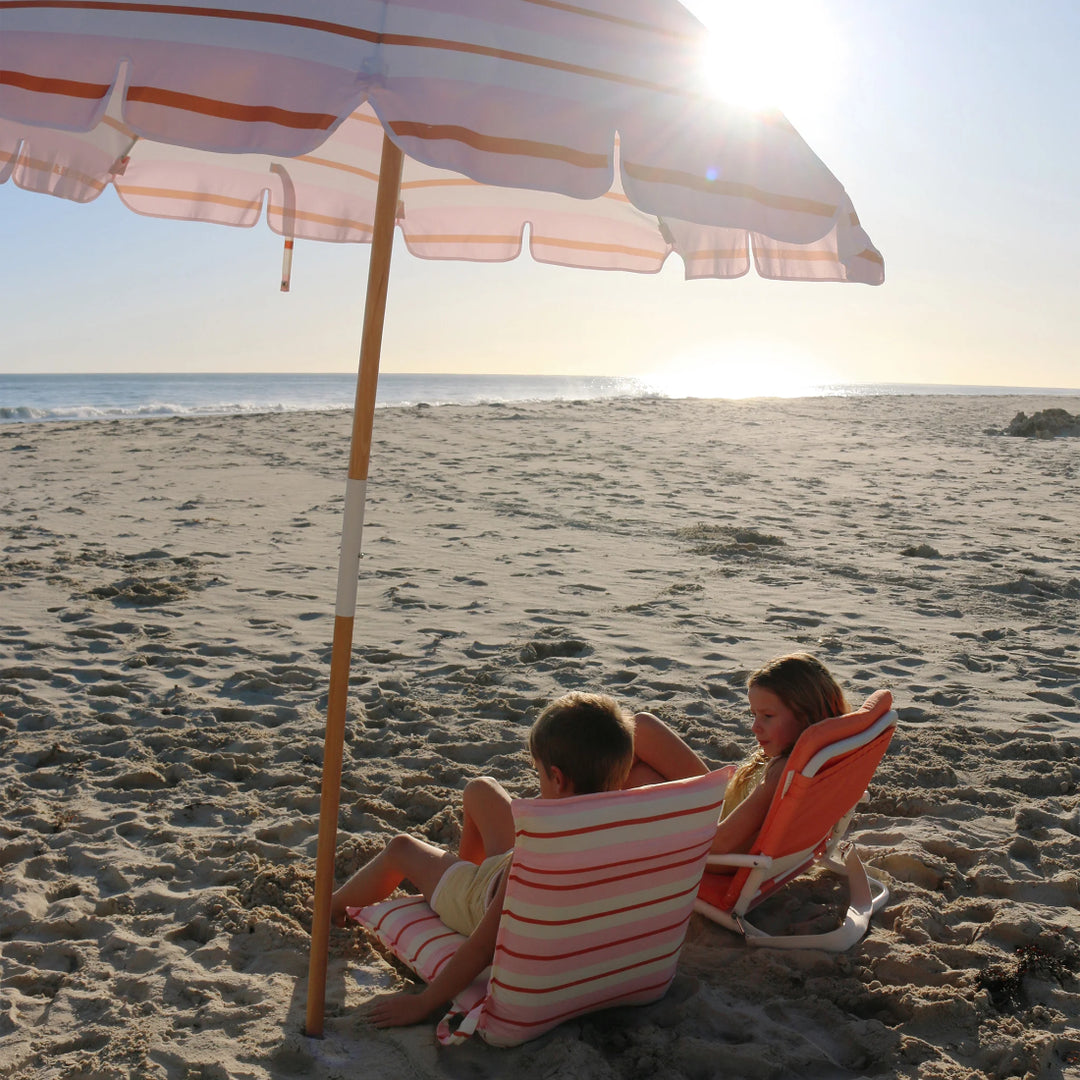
(586, 122)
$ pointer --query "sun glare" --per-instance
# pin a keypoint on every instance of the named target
(771, 53)
(741, 370)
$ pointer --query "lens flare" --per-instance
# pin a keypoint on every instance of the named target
(782, 54)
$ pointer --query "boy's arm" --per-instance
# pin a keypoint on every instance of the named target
(659, 754)
(461, 969)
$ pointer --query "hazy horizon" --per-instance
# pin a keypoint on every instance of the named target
(947, 124)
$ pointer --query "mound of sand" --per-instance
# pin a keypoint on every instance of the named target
(1046, 424)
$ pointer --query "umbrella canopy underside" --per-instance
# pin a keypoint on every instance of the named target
(587, 123)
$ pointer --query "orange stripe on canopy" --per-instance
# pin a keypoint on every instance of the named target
(442, 182)
(338, 166)
(44, 166)
(455, 181)
(654, 175)
(606, 16)
(586, 245)
(228, 110)
(196, 12)
(178, 195)
(61, 87)
(192, 196)
(799, 255)
(411, 41)
(495, 144)
(463, 238)
(340, 30)
(324, 219)
(717, 253)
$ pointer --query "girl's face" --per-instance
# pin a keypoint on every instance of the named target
(775, 726)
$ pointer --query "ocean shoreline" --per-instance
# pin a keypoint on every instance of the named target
(51, 398)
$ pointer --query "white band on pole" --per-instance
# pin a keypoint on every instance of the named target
(352, 532)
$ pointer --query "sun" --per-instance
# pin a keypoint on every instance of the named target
(742, 369)
(772, 54)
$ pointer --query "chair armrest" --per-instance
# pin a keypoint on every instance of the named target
(738, 860)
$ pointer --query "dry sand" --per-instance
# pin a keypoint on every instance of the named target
(165, 616)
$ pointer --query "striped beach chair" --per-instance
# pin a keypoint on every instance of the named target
(601, 889)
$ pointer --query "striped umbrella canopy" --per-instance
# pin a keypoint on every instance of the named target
(460, 122)
(589, 121)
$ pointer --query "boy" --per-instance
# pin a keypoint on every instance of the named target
(581, 743)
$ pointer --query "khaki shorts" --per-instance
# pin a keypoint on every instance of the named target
(466, 890)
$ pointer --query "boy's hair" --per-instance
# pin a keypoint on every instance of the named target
(803, 683)
(588, 738)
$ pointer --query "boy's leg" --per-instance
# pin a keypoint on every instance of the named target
(488, 822)
(405, 857)
(659, 754)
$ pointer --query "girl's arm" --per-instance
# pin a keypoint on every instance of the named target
(738, 831)
(659, 754)
(474, 954)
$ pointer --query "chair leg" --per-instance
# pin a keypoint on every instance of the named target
(879, 891)
(724, 918)
(867, 895)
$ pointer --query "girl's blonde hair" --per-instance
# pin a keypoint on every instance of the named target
(804, 684)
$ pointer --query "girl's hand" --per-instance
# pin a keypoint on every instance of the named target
(397, 1010)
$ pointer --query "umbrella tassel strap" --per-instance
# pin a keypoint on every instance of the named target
(288, 221)
(286, 264)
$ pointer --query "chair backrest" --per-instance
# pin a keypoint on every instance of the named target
(600, 892)
(826, 774)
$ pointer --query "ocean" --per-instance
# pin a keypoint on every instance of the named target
(39, 398)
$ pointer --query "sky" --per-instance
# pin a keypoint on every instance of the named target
(953, 125)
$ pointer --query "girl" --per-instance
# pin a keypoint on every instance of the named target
(787, 695)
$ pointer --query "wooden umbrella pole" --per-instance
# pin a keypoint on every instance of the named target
(382, 242)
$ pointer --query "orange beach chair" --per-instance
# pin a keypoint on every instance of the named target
(826, 776)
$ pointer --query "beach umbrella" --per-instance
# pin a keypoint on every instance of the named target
(462, 122)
